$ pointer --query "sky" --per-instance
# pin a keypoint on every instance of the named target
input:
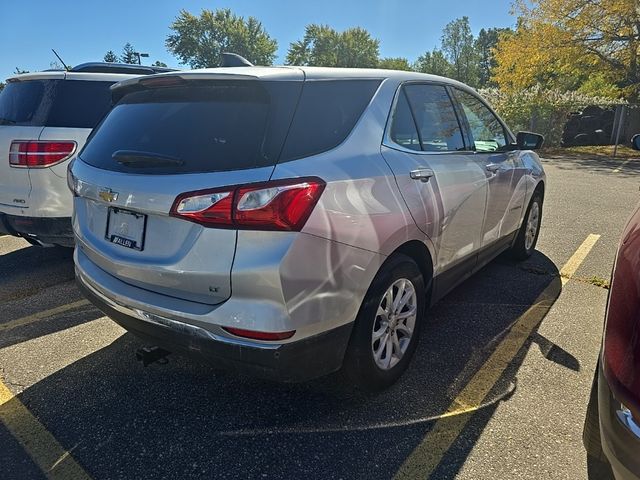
(83, 30)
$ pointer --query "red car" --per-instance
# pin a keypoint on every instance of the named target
(612, 426)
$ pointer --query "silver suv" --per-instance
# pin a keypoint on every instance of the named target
(45, 119)
(288, 221)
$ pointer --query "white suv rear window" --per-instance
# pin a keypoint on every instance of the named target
(54, 103)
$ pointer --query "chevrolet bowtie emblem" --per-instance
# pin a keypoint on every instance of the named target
(108, 195)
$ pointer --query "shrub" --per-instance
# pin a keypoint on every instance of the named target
(541, 110)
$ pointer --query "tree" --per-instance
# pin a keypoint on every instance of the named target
(485, 45)
(323, 46)
(458, 47)
(1, 86)
(200, 41)
(397, 63)
(19, 71)
(560, 43)
(110, 57)
(434, 63)
(54, 65)
(158, 63)
(129, 54)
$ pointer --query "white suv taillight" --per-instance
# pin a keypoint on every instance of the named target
(274, 205)
(39, 154)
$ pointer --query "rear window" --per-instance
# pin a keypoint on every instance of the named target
(54, 103)
(226, 125)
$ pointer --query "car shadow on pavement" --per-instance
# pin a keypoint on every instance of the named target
(189, 420)
(28, 270)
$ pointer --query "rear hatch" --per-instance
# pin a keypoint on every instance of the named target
(44, 107)
(159, 142)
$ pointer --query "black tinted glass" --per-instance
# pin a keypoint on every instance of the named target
(437, 122)
(79, 104)
(326, 114)
(214, 127)
(21, 102)
(54, 103)
(403, 128)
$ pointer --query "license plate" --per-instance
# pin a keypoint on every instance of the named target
(126, 228)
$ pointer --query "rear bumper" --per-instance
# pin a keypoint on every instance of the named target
(298, 361)
(620, 445)
(51, 230)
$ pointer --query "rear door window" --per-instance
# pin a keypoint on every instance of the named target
(435, 117)
(54, 103)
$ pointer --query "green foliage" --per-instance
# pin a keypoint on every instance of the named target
(199, 41)
(485, 46)
(434, 63)
(129, 54)
(110, 57)
(325, 47)
(397, 63)
(459, 49)
(544, 111)
(599, 85)
(158, 63)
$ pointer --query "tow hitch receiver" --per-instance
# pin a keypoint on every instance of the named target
(149, 355)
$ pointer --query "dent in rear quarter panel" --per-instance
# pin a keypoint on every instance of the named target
(321, 282)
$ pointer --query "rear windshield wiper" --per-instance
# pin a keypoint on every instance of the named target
(134, 158)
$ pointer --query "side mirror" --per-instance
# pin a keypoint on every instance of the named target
(529, 141)
(635, 141)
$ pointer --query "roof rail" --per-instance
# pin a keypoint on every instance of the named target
(107, 67)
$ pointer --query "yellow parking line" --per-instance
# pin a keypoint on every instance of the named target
(52, 458)
(617, 170)
(19, 322)
(426, 457)
(576, 259)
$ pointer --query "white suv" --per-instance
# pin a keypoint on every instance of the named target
(45, 119)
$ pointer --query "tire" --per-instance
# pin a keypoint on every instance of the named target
(591, 432)
(361, 367)
(524, 244)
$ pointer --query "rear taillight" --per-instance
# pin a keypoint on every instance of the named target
(621, 347)
(275, 205)
(38, 154)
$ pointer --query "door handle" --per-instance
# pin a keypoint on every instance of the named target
(493, 167)
(422, 174)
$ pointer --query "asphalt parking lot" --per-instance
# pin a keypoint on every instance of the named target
(498, 388)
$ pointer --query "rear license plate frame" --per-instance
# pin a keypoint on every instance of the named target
(133, 242)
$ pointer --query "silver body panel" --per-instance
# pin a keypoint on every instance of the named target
(314, 280)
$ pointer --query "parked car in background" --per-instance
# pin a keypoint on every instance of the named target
(288, 221)
(612, 426)
(45, 119)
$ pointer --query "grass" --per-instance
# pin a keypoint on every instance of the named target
(605, 151)
(599, 282)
